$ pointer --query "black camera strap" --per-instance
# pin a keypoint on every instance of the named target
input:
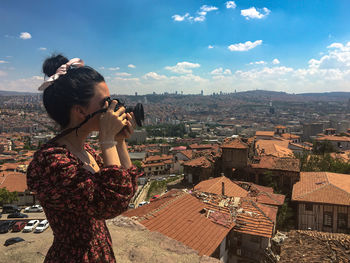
(65, 132)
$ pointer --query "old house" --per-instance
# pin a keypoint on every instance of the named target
(17, 182)
(284, 172)
(338, 142)
(155, 165)
(234, 156)
(198, 169)
(323, 201)
(232, 227)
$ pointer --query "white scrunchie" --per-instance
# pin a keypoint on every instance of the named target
(62, 70)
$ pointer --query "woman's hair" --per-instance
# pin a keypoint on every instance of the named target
(74, 88)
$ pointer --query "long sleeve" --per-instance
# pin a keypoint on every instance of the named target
(62, 184)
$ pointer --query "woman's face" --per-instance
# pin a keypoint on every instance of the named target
(96, 103)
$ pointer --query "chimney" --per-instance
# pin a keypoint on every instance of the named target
(223, 188)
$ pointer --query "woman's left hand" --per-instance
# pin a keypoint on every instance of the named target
(128, 130)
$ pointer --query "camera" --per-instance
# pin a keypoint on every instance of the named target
(137, 110)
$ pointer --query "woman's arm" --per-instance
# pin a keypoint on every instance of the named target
(124, 157)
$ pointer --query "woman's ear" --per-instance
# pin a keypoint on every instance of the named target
(79, 112)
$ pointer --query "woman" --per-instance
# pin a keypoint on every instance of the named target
(77, 188)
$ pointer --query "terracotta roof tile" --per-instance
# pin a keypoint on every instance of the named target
(199, 162)
(265, 133)
(334, 138)
(234, 144)
(13, 181)
(215, 186)
(277, 148)
(275, 163)
(322, 187)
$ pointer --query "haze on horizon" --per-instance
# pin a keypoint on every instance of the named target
(188, 46)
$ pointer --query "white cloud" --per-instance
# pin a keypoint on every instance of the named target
(29, 84)
(102, 68)
(255, 14)
(122, 74)
(245, 46)
(3, 62)
(154, 76)
(131, 66)
(201, 14)
(126, 79)
(210, 47)
(221, 71)
(261, 62)
(179, 18)
(114, 69)
(183, 67)
(42, 48)
(25, 35)
(275, 61)
(231, 4)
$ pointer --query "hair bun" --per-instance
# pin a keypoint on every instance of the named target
(52, 63)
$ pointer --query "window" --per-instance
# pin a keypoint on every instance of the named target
(308, 207)
(328, 219)
(342, 220)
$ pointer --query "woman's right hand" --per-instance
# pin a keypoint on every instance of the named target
(112, 122)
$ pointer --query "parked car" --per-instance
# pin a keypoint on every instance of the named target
(18, 226)
(6, 226)
(17, 215)
(143, 203)
(33, 208)
(154, 198)
(13, 240)
(31, 225)
(8, 209)
(42, 226)
(172, 175)
(131, 205)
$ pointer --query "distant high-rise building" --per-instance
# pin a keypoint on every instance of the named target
(202, 92)
(135, 93)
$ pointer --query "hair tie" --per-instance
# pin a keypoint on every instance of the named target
(62, 70)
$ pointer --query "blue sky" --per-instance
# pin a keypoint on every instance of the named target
(185, 46)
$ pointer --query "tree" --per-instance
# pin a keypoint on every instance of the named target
(7, 197)
(137, 164)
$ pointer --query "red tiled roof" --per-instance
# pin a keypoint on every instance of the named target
(275, 163)
(215, 186)
(199, 162)
(180, 217)
(322, 187)
(13, 181)
(187, 153)
(333, 138)
(251, 219)
(275, 148)
(196, 146)
(265, 133)
(235, 144)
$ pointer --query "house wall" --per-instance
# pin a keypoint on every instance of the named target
(314, 218)
(24, 199)
(234, 158)
(223, 251)
(245, 247)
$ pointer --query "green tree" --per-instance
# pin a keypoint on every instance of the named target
(137, 164)
(7, 197)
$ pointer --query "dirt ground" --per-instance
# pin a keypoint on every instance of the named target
(131, 243)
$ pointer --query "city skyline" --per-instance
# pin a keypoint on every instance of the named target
(157, 46)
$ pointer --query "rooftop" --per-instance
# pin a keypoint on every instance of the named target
(322, 187)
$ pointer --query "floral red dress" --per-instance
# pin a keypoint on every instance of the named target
(77, 202)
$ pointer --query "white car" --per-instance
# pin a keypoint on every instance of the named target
(143, 203)
(33, 208)
(31, 225)
(42, 226)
